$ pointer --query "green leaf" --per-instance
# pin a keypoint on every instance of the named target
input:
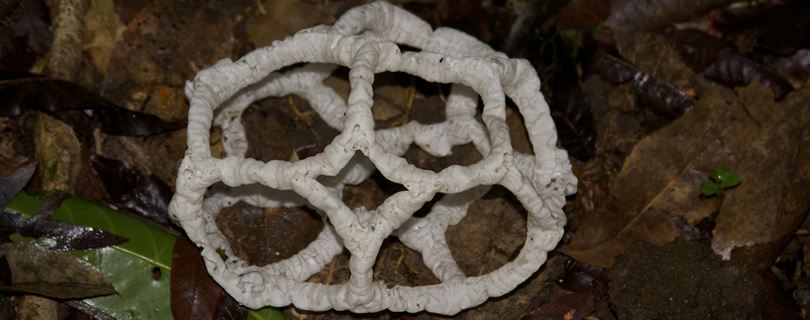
(146, 241)
(139, 269)
(25, 205)
(709, 189)
(143, 292)
(718, 174)
(730, 179)
(268, 313)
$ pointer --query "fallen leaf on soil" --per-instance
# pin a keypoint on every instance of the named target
(579, 14)
(632, 15)
(139, 269)
(665, 99)
(102, 31)
(24, 35)
(58, 152)
(572, 115)
(581, 277)
(67, 236)
(660, 180)
(657, 55)
(82, 109)
(13, 183)
(572, 306)
(710, 58)
(780, 27)
(761, 214)
(33, 269)
(166, 43)
(278, 19)
(134, 191)
(194, 293)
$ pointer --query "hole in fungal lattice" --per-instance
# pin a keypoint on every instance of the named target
(262, 236)
(491, 234)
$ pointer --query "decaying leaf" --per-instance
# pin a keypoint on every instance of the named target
(166, 43)
(664, 99)
(34, 269)
(139, 269)
(194, 294)
(581, 277)
(76, 106)
(66, 236)
(760, 215)
(575, 305)
(24, 33)
(780, 27)
(583, 14)
(710, 58)
(102, 31)
(661, 179)
(657, 55)
(134, 191)
(632, 15)
(278, 19)
(58, 152)
(13, 183)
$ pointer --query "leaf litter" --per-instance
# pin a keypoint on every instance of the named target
(651, 165)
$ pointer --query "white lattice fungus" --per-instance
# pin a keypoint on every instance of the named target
(365, 40)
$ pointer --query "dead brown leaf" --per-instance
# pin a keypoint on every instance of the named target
(759, 216)
(102, 31)
(661, 178)
(278, 19)
(632, 15)
(654, 54)
(33, 269)
(58, 151)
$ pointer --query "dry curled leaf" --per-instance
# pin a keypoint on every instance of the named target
(710, 58)
(664, 99)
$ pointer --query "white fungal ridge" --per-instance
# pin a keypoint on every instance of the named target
(364, 39)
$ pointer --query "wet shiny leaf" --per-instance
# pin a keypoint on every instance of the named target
(67, 236)
(134, 191)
